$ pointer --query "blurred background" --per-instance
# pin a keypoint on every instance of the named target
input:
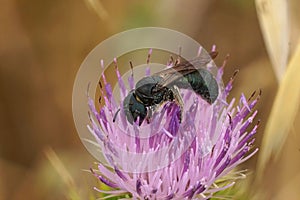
(43, 43)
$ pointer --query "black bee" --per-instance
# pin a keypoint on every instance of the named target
(148, 92)
(163, 86)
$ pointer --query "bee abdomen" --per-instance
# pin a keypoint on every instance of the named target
(201, 82)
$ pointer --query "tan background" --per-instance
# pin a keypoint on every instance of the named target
(42, 44)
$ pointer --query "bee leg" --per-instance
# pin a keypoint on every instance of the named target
(116, 114)
(139, 116)
(150, 113)
(178, 100)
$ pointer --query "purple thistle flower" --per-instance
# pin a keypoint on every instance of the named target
(169, 157)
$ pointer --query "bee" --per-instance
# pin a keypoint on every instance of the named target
(163, 86)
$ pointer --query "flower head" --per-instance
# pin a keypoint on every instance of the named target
(181, 151)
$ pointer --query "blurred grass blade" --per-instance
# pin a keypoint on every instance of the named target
(274, 23)
(98, 7)
(283, 112)
(63, 172)
(294, 13)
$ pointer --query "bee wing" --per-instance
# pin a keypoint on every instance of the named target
(181, 69)
(172, 74)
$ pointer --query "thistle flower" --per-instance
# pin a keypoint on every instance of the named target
(169, 157)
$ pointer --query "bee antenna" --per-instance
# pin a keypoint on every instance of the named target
(149, 55)
(115, 116)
